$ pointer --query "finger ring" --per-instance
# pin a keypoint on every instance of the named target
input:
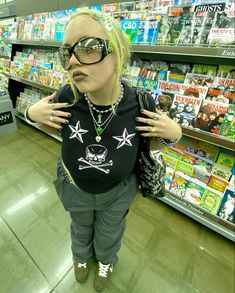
(53, 106)
(51, 118)
(156, 116)
(53, 113)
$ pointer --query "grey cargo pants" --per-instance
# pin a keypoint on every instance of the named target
(98, 220)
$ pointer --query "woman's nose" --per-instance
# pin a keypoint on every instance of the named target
(73, 60)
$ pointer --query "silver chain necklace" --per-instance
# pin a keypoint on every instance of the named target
(99, 125)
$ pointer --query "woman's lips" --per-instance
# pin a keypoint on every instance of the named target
(77, 75)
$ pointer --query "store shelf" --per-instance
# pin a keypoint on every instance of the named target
(214, 139)
(4, 56)
(195, 212)
(228, 53)
(54, 135)
(29, 82)
(33, 43)
(225, 53)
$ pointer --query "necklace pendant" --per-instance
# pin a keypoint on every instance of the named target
(99, 118)
(99, 130)
(98, 138)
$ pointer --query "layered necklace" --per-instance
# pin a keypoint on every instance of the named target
(100, 125)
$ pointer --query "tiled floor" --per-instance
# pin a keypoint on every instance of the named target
(163, 251)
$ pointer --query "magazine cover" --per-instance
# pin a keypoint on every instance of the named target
(206, 27)
(215, 93)
(163, 101)
(228, 120)
(184, 109)
(179, 184)
(226, 71)
(223, 30)
(228, 86)
(207, 150)
(194, 191)
(186, 35)
(193, 91)
(198, 79)
(227, 207)
(205, 69)
(130, 27)
(161, 7)
(147, 32)
(126, 6)
(213, 116)
(170, 87)
(177, 72)
(211, 199)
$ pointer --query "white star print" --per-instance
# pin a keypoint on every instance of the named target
(77, 131)
(125, 139)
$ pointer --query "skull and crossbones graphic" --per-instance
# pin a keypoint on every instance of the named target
(95, 158)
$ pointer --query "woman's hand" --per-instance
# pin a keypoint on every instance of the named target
(157, 124)
(47, 113)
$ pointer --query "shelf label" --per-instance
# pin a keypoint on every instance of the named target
(229, 53)
(6, 118)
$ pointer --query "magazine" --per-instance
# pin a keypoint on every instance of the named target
(163, 101)
(177, 72)
(171, 87)
(198, 79)
(226, 71)
(213, 116)
(184, 109)
(227, 207)
(193, 91)
(204, 69)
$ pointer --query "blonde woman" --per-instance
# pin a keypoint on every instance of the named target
(101, 127)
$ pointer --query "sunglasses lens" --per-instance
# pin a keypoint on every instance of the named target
(64, 56)
(89, 51)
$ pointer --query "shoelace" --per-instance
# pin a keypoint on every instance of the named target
(103, 270)
(82, 265)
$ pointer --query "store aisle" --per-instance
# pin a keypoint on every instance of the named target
(163, 251)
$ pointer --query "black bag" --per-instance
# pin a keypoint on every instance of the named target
(150, 167)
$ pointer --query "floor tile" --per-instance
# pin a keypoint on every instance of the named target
(18, 272)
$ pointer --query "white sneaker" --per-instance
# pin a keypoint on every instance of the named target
(102, 277)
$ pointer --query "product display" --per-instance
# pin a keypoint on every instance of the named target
(198, 94)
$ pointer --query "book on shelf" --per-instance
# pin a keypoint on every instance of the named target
(184, 168)
(186, 34)
(168, 177)
(184, 109)
(213, 114)
(211, 200)
(226, 209)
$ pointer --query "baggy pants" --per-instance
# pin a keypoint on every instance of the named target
(97, 220)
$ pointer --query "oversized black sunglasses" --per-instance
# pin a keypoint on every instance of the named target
(87, 51)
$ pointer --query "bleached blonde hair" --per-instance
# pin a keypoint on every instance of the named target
(120, 43)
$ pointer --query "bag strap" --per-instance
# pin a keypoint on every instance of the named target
(143, 100)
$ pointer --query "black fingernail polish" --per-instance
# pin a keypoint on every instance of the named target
(137, 119)
(142, 110)
(66, 122)
(136, 128)
(69, 115)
